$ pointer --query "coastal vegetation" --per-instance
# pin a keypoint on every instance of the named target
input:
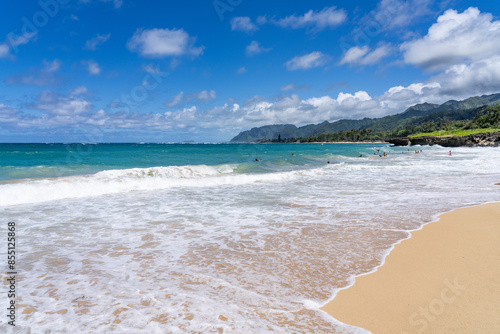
(474, 115)
(480, 120)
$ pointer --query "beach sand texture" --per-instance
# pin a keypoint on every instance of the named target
(444, 279)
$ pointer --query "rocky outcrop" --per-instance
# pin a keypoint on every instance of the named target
(404, 141)
(480, 139)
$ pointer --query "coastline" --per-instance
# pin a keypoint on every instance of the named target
(444, 278)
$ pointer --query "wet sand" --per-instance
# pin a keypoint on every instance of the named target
(444, 279)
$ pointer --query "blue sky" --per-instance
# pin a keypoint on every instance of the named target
(168, 71)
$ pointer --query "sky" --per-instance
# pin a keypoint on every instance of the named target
(204, 70)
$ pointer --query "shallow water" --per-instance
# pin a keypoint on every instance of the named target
(226, 244)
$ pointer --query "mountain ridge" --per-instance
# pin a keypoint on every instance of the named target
(411, 115)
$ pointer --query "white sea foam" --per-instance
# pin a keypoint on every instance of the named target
(205, 249)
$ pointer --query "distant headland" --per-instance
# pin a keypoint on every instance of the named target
(472, 122)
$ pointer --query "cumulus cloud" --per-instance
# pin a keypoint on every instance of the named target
(74, 110)
(160, 43)
(92, 67)
(47, 76)
(92, 44)
(8, 114)
(328, 17)
(481, 77)
(364, 55)
(244, 24)
(311, 60)
(56, 104)
(359, 96)
(255, 48)
(454, 39)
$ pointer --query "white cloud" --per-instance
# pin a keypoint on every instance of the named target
(52, 66)
(364, 56)
(292, 87)
(8, 114)
(481, 77)
(287, 87)
(60, 105)
(116, 3)
(13, 41)
(255, 48)
(78, 91)
(360, 96)
(328, 17)
(92, 44)
(92, 67)
(153, 69)
(4, 50)
(311, 60)
(455, 38)
(392, 14)
(176, 100)
(242, 70)
(47, 76)
(159, 43)
(74, 110)
(244, 24)
(198, 97)
(203, 96)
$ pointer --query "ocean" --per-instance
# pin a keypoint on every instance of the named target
(215, 238)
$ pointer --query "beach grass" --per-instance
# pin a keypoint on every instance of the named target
(451, 133)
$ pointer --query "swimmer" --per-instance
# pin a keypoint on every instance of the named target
(293, 155)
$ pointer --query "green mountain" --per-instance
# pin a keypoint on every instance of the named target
(414, 115)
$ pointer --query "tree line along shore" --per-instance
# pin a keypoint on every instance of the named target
(481, 127)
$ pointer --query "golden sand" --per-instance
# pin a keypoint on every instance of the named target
(444, 279)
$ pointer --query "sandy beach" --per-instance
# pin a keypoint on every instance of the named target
(444, 279)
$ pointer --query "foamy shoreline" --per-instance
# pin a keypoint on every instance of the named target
(443, 279)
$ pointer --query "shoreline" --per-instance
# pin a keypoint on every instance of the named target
(443, 278)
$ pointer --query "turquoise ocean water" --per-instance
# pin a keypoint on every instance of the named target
(215, 238)
(19, 161)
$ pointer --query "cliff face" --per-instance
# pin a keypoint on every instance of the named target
(480, 139)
